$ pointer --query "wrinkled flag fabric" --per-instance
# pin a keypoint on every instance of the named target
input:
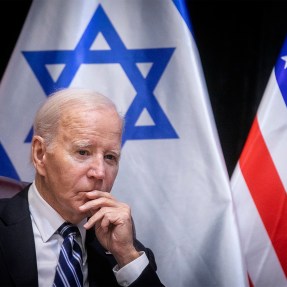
(259, 185)
(142, 55)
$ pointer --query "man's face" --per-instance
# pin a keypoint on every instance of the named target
(84, 156)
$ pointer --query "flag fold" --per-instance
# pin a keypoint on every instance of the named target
(259, 185)
(141, 54)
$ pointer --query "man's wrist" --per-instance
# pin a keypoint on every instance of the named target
(127, 258)
(131, 271)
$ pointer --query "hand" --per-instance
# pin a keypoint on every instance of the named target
(113, 225)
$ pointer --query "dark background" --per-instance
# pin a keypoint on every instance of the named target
(238, 42)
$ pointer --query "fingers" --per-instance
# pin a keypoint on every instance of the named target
(96, 200)
(113, 224)
(105, 211)
(107, 216)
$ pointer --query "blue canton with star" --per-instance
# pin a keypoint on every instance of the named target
(281, 71)
(118, 53)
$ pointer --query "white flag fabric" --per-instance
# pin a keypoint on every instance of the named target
(141, 54)
(259, 185)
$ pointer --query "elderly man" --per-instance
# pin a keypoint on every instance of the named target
(76, 151)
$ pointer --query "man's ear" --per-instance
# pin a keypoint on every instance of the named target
(38, 154)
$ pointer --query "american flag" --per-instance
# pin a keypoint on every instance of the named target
(259, 184)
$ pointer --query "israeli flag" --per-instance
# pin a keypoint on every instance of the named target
(141, 54)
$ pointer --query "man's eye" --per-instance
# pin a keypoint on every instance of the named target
(83, 152)
(110, 157)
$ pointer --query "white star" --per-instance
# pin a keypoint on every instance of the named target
(284, 59)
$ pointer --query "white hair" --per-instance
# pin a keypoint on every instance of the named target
(48, 117)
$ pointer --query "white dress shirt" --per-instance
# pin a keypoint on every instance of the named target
(45, 222)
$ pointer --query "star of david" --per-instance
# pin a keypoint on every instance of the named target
(118, 53)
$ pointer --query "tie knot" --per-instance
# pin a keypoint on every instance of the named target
(67, 229)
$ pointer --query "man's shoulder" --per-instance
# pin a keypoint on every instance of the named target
(15, 208)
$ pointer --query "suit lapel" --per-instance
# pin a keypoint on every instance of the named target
(100, 262)
(17, 241)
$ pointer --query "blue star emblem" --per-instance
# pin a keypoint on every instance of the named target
(128, 60)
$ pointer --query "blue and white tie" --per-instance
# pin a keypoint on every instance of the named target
(69, 269)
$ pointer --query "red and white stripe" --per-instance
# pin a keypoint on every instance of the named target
(259, 184)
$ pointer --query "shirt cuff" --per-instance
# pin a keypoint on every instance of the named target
(130, 272)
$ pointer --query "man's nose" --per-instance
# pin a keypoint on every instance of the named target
(97, 168)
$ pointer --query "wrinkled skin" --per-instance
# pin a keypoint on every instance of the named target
(76, 173)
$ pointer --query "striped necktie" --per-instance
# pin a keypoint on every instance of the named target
(69, 269)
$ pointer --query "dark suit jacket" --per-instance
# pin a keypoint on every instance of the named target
(18, 265)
